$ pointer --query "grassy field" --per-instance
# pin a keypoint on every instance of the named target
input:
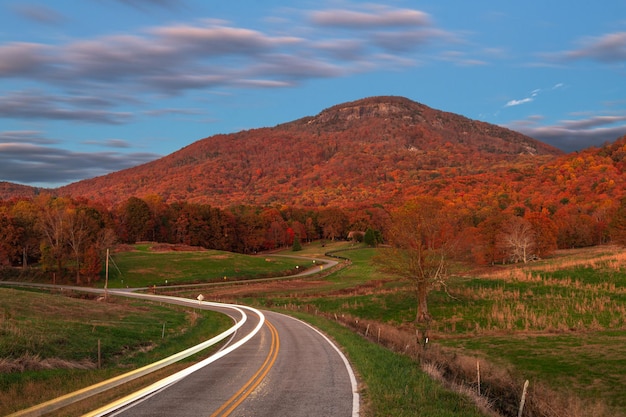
(150, 264)
(560, 323)
(49, 342)
(396, 386)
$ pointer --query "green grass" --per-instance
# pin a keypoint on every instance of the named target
(143, 267)
(561, 321)
(39, 326)
(589, 364)
(564, 326)
(396, 386)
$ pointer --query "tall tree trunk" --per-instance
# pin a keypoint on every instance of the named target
(422, 303)
(78, 281)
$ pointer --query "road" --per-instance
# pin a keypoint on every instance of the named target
(286, 369)
(274, 365)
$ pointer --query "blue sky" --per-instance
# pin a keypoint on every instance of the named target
(89, 87)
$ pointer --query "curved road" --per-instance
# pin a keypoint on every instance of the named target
(287, 369)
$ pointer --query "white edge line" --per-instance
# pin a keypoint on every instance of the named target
(70, 398)
(183, 373)
(355, 390)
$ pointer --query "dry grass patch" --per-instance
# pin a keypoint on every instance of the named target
(30, 362)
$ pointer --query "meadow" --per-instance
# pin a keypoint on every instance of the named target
(49, 343)
(149, 264)
(559, 323)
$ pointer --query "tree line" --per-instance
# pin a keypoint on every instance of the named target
(67, 237)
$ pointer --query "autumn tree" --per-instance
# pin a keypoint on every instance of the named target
(617, 226)
(276, 228)
(311, 229)
(136, 220)
(299, 230)
(485, 247)
(83, 231)
(575, 228)
(25, 214)
(161, 217)
(421, 242)
(10, 235)
(52, 224)
(545, 233)
(77, 231)
(517, 239)
(249, 229)
(72, 235)
(334, 223)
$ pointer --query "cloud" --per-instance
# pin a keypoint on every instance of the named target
(208, 54)
(461, 59)
(148, 4)
(512, 103)
(39, 105)
(395, 31)
(592, 122)
(168, 111)
(402, 41)
(574, 135)
(23, 59)
(80, 80)
(25, 136)
(32, 163)
(532, 96)
(608, 48)
(39, 13)
(380, 17)
(109, 143)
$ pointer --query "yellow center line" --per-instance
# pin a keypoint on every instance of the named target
(245, 391)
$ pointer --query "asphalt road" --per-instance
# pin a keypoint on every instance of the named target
(286, 369)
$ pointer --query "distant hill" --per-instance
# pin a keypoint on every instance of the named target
(9, 190)
(374, 150)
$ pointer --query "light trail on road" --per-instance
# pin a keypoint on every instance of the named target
(290, 369)
(172, 379)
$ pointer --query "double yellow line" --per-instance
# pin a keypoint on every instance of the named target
(245, 391)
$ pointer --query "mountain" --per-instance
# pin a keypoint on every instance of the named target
(9, 190)
(374, 150)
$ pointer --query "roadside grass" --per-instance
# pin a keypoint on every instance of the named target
(395, 384)
(590, 365)
(144, 267)
(560, 322)
(49, 342)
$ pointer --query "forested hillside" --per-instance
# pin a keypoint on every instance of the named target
(372, 150)
(344, 170)
(9, 190)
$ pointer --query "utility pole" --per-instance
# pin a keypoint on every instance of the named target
(106, 277)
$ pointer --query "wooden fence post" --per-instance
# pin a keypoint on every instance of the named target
(478, 374)
(521, 405)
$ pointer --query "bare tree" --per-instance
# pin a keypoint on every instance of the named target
(421, 242)
(518, 239)
(52, 225)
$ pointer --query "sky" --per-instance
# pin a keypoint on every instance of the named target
(89, 87)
